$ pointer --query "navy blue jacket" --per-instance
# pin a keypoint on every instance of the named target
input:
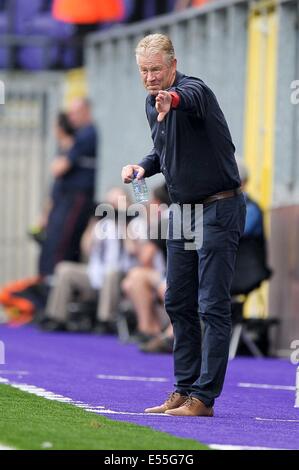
(193, 147)
(82, 156)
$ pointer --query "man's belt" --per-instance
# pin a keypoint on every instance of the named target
(222, 195)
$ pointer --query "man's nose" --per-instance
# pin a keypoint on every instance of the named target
(151, 76)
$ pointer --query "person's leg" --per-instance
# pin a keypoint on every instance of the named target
(163, 342)
(75, 221)
(69, 278)
(138, 286)
(216, 271)
(109, 298)
(57, 216)
(161, 289)
(223, 225)
(67, 221)
(181, 303)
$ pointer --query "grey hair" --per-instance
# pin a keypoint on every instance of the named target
(155, 44)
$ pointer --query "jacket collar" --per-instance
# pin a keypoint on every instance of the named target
(178, 78)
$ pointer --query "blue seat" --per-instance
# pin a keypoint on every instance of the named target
(24, 12)
(4, 51)
(57, 34)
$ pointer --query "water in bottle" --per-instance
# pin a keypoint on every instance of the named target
(140, 189)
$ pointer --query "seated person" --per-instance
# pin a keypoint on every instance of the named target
(251, 263)
(145, 284)
(84, 281)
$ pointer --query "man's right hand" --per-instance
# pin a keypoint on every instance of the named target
(128, 172)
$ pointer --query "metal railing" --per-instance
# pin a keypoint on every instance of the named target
(26, 146)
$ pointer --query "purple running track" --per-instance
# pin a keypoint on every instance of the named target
(68, 364)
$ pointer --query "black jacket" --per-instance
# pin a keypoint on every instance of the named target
(192, 146)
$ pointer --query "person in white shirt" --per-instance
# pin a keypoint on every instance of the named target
(97, 280)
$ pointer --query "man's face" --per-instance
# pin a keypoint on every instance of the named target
(156, 73)
(78, 113)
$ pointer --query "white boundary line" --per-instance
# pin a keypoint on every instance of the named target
(112, 412)
(13, 372)
(232, 447)
(267, 386)
(4, 447)
(41, 392)
(133, 379)
(278, 420)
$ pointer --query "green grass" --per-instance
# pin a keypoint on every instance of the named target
(28, 421)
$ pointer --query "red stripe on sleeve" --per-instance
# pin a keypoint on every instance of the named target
(175, 99)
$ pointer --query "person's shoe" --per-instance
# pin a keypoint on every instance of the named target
(39, 317)
(192, 407)
(52, 325)
(105, 328)
(174, 400)
(159, 344)
(140, 338)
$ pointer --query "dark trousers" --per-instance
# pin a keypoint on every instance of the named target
(198, 287)
(67, 222)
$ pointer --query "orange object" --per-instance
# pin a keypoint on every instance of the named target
(198, 3)
(15, 304)
(88, 11)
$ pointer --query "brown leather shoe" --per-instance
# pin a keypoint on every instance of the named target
(174, 400)
(191, 407)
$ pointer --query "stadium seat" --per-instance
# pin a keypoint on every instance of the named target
(34, 19)
(3, 22)
(24, 12)
(4, 52)
(153, 8)
(129, 8)
(34, 58)
(251, 334)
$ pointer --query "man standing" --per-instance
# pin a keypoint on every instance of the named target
(194, 151)
(73, 193)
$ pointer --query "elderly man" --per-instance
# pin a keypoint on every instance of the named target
(194, 151)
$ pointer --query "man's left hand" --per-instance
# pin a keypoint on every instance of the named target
(163, 104)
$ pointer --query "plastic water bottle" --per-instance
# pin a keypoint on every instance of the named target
(140, 189)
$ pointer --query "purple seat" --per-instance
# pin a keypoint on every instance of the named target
(3, 23)
(151, 8)
(34, 19)
(4, 52)
(36, 57)
(24, 13)
(129, 8)
(4, 57)
(45, 25)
